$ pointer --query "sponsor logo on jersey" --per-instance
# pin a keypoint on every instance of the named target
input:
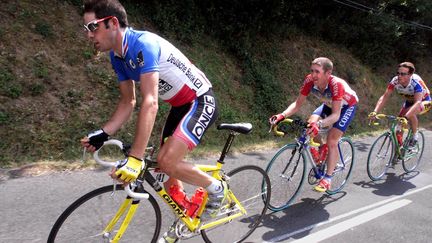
(177, 62)
(196, 81)
(132, 64)
(164, 87)
(189, 72)
(140, 59)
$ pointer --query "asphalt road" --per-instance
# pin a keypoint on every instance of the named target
(397, 209)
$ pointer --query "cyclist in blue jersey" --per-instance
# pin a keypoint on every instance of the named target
(161, 71)
(416, 96)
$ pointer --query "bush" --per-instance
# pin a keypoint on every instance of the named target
(44, 29)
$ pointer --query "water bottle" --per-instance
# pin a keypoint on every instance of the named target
(179, 196)
(399, 134)
(315, 154)
(323, 152)
(196, 202)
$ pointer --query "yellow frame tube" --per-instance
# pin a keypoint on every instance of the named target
(126, 203)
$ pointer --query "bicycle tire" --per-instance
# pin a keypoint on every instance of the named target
(380, 155)
(343, 169)
(411, 161)
(85, 219)
(287, 171)
(250, 194)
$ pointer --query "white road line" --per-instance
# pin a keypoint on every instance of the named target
(352, 222)
(377, 204)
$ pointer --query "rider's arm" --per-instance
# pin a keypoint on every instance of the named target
(334, 116)
(295, 106)
(383, 100)
(147, 114)
(124, 108)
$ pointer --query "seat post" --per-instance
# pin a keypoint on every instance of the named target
(227, 146)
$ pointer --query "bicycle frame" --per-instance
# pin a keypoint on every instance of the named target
(193, 224)
(305, 142)
(394, 122)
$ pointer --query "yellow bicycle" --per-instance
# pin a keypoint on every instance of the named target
(108, 214)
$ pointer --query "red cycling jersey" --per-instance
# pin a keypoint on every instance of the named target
(336, 90)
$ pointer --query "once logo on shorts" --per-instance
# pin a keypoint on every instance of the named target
(206, 116)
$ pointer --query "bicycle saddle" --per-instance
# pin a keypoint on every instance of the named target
(243, 128)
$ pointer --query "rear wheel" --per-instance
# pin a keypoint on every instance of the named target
(411, 158)
(380, 155)
(287, 171)
(344, 165)
(86, 218)
(245, 183)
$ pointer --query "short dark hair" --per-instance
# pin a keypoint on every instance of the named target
(105, 8)
(408, 65)
(324, 62)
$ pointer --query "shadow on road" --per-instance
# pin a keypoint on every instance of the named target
(391, 184)
(361, 146)
(299, 219)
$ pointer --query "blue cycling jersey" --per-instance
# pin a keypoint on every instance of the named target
(180, 81)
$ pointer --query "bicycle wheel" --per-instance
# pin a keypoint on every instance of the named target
(344, 165)
(86, 218)
(412, 158)
(380, 155)
(245, 183)
(286, 170)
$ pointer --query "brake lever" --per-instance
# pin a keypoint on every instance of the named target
(271, 128)
(84, 159)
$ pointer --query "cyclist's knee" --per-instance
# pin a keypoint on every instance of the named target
(332, 143)
(333, 138)
(166, 164)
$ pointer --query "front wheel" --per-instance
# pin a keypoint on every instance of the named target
(287, 171)
(86, 218)
(344, 165)
(411, 158)
(380, 155)
(245, 192)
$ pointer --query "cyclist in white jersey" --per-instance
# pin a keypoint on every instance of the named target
(160, 70)
(416, 96)
(338, 110)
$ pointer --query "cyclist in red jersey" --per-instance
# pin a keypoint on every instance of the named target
(338, 110)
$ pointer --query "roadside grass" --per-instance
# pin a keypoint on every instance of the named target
(54, 88)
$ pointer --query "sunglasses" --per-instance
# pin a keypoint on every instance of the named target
(94, 24)
(401, 74)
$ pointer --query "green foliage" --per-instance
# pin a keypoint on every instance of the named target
(4, 117)
(72, 98)
(36, 89)
(239, 45)
(6, 76)
(44, 29)
(40, 69)
(77, 3)
(87, 54)
(8, 84)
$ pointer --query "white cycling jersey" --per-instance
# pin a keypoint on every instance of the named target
(415, 85)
